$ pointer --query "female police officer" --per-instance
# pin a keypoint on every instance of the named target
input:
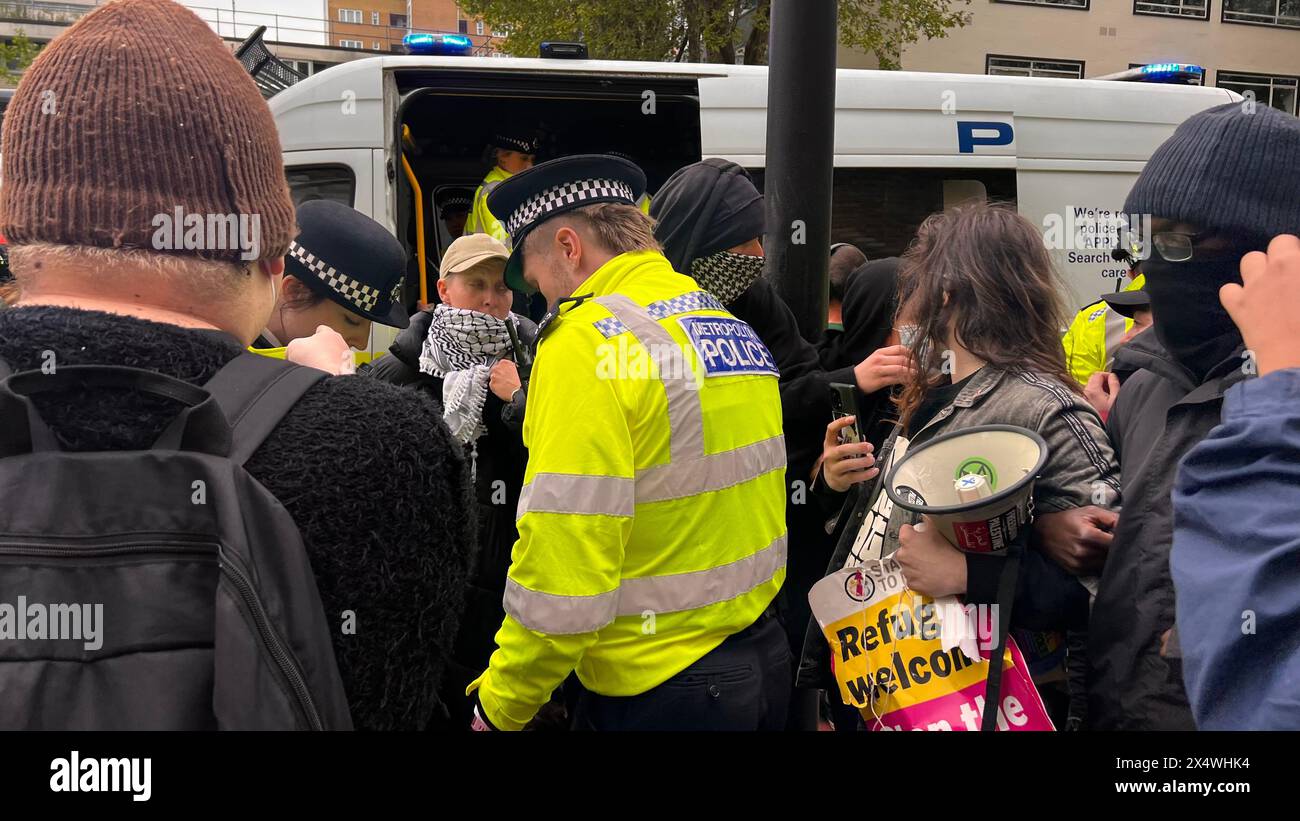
(346, 271)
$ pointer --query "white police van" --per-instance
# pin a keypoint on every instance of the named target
(906, 144)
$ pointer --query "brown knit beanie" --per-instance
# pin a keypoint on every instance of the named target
(134, 120)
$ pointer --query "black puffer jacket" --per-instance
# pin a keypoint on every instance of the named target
(500, 460)
(1160, 413)
(369, 473)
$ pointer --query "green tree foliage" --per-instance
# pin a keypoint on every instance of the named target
(16, 55)
(713, 31)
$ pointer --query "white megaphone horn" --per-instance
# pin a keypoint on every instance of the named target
(976, 484)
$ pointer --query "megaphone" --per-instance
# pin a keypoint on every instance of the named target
(975, 484)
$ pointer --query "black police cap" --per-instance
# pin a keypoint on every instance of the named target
(531, 197)
(345, 256)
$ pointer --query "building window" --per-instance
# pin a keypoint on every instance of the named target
(1263, 12)
(1196, 9)
(349, 15)
(1199, 81)
(1061, 4)
(464, 26)
(1033, 67)
(352, 44)
(397, 21)
(478, 27)
(374, 18)
(376, 46)
(1277, 91)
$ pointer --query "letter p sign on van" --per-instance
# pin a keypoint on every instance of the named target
(967, 139)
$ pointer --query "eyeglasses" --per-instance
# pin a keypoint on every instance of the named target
(1175, 246)
(1172, 246)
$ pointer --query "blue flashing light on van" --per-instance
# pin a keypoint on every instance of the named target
(447, 45)
(1156, 72)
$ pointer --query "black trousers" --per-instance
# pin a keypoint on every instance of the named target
(742, 684)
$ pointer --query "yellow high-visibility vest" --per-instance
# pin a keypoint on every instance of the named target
(480, 219)
(1094, 335)
(652, 519)
(360, 357)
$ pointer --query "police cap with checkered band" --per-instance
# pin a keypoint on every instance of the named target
(532, 197)
(349, 258)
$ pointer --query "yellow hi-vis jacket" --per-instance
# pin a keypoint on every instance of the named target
(1094, 335)
(480, 220)
(652, 519)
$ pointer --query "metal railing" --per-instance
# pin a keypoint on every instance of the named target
(41, 12)
(236, 23)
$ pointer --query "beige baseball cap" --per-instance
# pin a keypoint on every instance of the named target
(469, 251)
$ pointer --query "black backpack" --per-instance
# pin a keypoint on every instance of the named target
(162, 588)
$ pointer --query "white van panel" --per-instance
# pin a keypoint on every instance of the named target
(1075, 144)
(1048, 197)
(344, 109)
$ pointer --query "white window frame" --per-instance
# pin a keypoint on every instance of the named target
(1250, 18)
(1182, 9)
(350, 16)
(1033, 66)
(1055, 4)
(478, 27)
(351, 44)
(1237, 79)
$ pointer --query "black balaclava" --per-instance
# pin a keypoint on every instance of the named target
(700, 212)
(1234, 168)
(1186, 314)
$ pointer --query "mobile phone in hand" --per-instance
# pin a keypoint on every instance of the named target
(844, 403)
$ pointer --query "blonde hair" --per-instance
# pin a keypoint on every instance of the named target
(617, 227)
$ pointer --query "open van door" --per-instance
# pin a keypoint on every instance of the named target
(450, 113)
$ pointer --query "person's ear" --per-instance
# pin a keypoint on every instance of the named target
(293, 289)
(570, 245)
(442, 289)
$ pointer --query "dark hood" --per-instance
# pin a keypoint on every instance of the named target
(705, 208)
(870, 302)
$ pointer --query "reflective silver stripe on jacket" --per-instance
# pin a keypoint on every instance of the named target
(618, 496)
(559, 615)
(713, 472)
(685, 417)
(577, 493)
(670, 593)
(689, 472)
